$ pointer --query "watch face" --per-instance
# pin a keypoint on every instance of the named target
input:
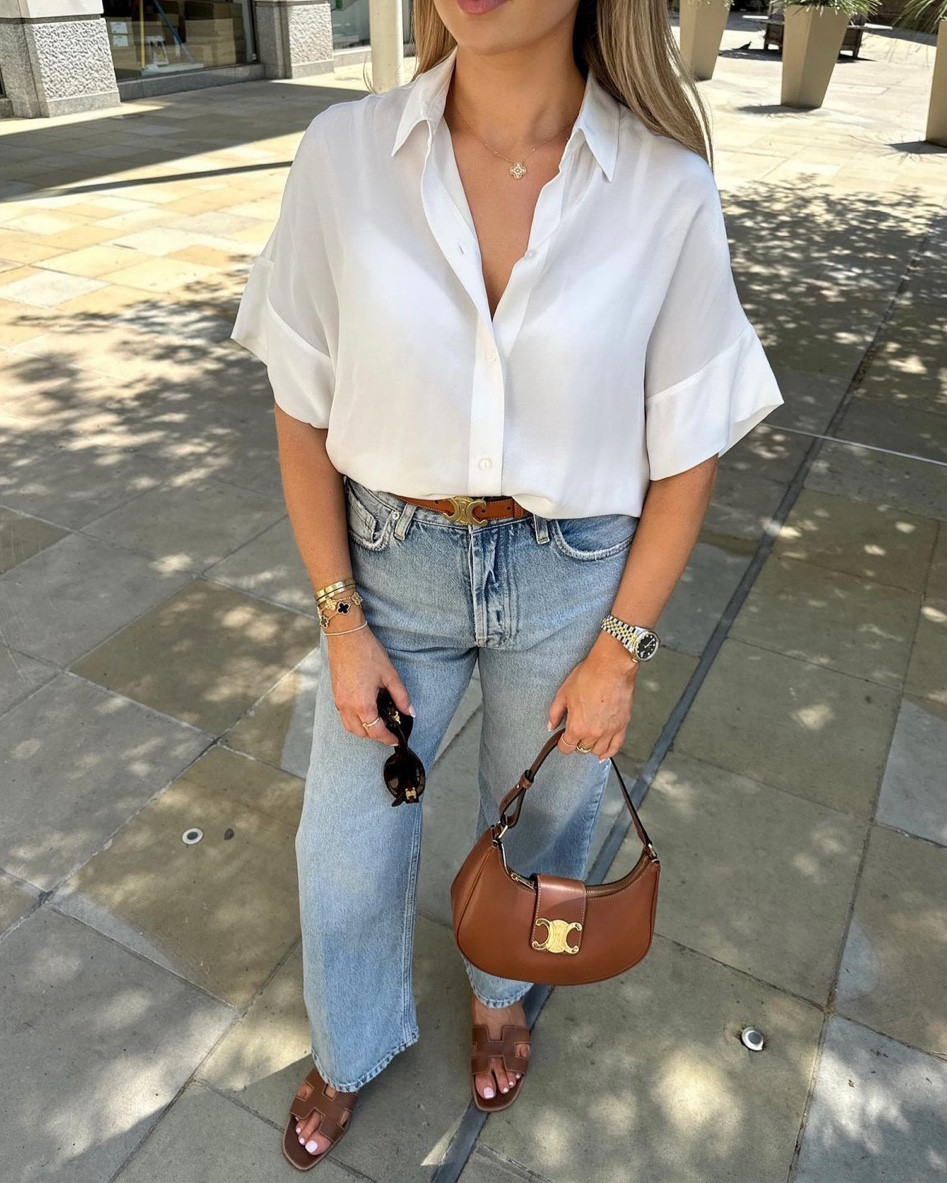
(647, 646)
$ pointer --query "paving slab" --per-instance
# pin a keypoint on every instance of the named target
(71, 488)
(927, 672)
(15, 902)
(871, 541)
(486, 1166)
(644, 1077)
(657, 691)
(96, 1042)
(46, 289)
(864, 474)
(793, 725)
(907, 369)
(910, 428)
(878, 1111)
(937, 578)
(277, 728)
(742, 506)
(831, 619)
(895, 959)
(810, 399)
(204, 655)
(754, 877)
(22, 536)
(19, 676)
(268, 567)
(221, 913)
(204, 1138)
(406, 1115)
(700, 597)
(912, 794)
(75, 593)
(188, 524)
(773, 452)
(75, 763)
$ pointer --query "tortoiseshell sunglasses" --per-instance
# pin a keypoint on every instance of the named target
(404, 773)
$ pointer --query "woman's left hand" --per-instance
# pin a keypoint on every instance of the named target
(597, 697)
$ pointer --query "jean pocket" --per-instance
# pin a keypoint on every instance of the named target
(370, 522)
(599, 536)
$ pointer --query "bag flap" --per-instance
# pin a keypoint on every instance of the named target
(559, 915)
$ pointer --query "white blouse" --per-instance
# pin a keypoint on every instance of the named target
(619, 353)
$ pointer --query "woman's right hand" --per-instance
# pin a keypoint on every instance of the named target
(359, 666)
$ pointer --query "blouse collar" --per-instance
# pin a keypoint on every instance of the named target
(598, 116)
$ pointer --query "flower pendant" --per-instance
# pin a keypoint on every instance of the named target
(518, 170)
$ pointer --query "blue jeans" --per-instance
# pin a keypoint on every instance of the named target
(522, 597)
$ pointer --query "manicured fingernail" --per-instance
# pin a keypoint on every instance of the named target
(549, 727)
(488, 1093)
(412, 711)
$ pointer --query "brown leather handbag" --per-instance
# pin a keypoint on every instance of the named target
(545, 929)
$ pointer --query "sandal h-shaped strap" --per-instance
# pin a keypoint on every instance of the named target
(334, 1109)
(485, 1049)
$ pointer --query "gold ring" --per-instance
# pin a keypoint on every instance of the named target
(582, 748)
(371, 722)
(571, 745)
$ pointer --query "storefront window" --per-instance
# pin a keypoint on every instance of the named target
(350, 24)
(149, 37)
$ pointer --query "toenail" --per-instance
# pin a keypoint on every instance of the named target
(505, 1089)
(312, 1147)
(302, 1140)
(488, 1092)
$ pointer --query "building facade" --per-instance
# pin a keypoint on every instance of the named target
(62, 56)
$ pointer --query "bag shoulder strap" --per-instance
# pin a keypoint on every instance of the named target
(518, 792)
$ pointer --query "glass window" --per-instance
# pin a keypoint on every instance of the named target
(170, 36)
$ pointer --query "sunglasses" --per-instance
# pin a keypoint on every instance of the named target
(403, 771)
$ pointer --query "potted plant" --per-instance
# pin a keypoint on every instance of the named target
(702, 26)
(930, 16)
(812, 40)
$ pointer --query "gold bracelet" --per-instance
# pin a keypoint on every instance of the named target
(337, 604)
(324, 592)
(342, 632)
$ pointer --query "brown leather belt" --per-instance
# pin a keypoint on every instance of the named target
(471, 511)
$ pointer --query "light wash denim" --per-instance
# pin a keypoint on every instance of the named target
(524, 598)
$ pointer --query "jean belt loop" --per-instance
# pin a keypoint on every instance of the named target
(540, 529)
(405, 515)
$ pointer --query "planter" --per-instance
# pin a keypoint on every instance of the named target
(702, 26)
(937, 110)
(811, 45)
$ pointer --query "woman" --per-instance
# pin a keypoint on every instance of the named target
(507, 280)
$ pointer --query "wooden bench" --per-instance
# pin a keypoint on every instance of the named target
(774, 27)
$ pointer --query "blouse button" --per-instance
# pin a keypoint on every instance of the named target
(486, 462)
(529, 254)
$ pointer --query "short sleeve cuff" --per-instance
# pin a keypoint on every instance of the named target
(707, 413)
(302, 376)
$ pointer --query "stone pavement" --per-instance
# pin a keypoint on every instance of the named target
(159, 654)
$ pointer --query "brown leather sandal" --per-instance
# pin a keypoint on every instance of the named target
(486, 1049)
(334, 1109)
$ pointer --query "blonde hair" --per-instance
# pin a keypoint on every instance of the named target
(630, 47)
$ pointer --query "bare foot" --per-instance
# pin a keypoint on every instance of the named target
(495, 1018)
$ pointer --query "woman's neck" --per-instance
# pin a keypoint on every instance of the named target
(517, 99)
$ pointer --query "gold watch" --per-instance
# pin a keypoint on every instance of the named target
(642, 643)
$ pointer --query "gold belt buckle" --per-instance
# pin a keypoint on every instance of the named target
(462, 513)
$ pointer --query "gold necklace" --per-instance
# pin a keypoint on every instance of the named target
(518, 167)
